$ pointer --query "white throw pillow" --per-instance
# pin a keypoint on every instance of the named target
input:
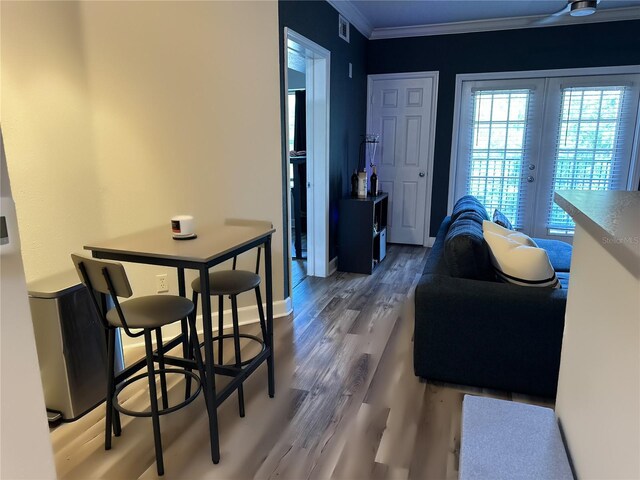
(517, 259)
(521, 238)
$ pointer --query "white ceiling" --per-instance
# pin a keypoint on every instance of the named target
(392, 18)
(385, 13)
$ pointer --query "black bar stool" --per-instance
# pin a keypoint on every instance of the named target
(149, 314)
(233, 283)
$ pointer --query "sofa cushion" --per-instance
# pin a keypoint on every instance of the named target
(517, 259)
(501, 219)
(559, 253)
(469, 203)
(465, 250)
(563, 278)
(436, 262)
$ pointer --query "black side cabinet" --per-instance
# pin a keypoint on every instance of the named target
(362, 233)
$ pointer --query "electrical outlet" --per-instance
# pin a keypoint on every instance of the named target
(162, 283)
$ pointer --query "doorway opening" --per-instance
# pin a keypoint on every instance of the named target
(297, 148)
(307, 158)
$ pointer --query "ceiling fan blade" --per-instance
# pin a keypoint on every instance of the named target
(554, 17)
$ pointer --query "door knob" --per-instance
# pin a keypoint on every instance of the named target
(530, 179)
(422, 174)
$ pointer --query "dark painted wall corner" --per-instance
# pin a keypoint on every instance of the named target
(599, 45)
(586, 45)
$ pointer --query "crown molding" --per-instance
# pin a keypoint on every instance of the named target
(353, 15)
(537, 21)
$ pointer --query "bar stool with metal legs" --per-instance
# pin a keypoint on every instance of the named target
(232, 283)
(148, 314)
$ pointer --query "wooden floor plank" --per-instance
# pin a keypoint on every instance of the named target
(347, 404)
(357, 458)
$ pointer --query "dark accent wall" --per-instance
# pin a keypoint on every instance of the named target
(318, 21)
(586, 45)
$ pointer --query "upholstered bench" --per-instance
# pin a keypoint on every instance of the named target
(509, 440)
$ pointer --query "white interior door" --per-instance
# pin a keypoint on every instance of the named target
(402, 110)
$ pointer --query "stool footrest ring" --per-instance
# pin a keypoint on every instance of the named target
(244, 363)
(164, 411)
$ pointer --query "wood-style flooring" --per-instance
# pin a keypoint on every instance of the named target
(298, 271)
(347, 403)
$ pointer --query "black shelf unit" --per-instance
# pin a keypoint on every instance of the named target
(362, 233)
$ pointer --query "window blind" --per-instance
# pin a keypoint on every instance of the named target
(590, 151)
(498, 144)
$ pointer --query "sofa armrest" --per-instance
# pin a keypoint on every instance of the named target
(489, 334)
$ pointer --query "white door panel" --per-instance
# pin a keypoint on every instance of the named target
(387, 186)
(409, 205)
(388, 146)
(402, 110)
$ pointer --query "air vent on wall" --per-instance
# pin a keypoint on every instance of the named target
(343, 28)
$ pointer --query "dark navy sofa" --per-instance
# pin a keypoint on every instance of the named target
(473, 330)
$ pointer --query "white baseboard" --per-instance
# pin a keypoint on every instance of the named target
(333, 266)
(246, 316)
(430, 242)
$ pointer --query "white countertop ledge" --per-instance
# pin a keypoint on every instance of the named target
(610, 217)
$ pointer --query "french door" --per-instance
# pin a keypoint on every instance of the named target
(520, 140)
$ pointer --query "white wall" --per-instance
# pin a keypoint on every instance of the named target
(598, 401)
(118, 115)
(46, 119)
(24, 433)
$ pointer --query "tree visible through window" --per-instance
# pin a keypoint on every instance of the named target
(586, 147)
(497, 149)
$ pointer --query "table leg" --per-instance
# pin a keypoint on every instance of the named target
(269, 294)
(209, 387)
(186, 351)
